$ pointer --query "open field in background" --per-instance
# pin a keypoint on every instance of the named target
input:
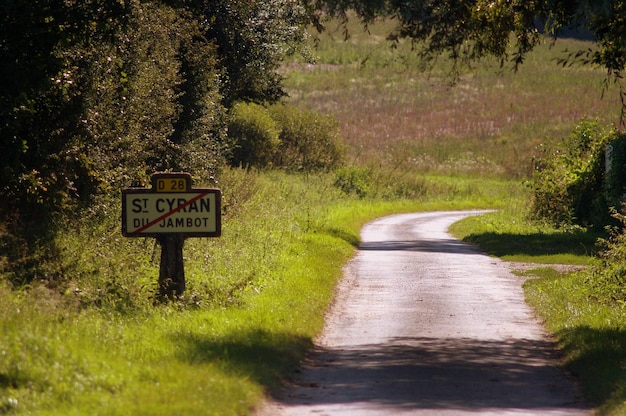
(393, 114)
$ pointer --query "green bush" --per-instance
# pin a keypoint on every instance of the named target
(616, 175)
(377, 182)
(255, 135)
(285, 137)
(353, 180)
(606, 278)
(569, 184)
(309, 141)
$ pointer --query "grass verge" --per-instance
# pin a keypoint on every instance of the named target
(591, 336)
(509, 235)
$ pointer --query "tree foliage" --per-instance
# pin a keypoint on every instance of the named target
(573, 183)
(253, 38)
(95, 95)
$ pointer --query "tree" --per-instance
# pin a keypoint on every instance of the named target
(95, 95)
(467, 30)
(253, 37)
(99, 92)
(41, 165)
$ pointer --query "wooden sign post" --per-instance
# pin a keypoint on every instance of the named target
(171, 211)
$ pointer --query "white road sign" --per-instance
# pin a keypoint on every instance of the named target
(195, 213)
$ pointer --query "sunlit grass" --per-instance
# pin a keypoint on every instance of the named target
(591, 336)
(256, 299)
(508, 234)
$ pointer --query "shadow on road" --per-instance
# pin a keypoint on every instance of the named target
(433, 246)
(429, 373)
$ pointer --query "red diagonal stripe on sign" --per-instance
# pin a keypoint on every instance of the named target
(170, 213)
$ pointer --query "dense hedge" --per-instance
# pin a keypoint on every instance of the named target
(97, 95)
(571, 185)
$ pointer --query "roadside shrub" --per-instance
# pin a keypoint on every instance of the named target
(309, 141)
(606, 278)
(255, 135)
(616, 173)
(392, 184)
(284, 137)
(353, 180)
(569, 185)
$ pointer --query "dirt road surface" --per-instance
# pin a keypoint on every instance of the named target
(424, 324)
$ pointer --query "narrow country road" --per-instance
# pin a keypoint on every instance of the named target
(424, 324)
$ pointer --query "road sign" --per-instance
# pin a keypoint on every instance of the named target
(150, 214)
(171, 207)
(171, 211)
(171, 182)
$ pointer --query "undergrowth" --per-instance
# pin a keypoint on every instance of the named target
(606, 278)
(577, 182)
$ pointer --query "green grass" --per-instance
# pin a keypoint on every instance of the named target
(591, 336)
